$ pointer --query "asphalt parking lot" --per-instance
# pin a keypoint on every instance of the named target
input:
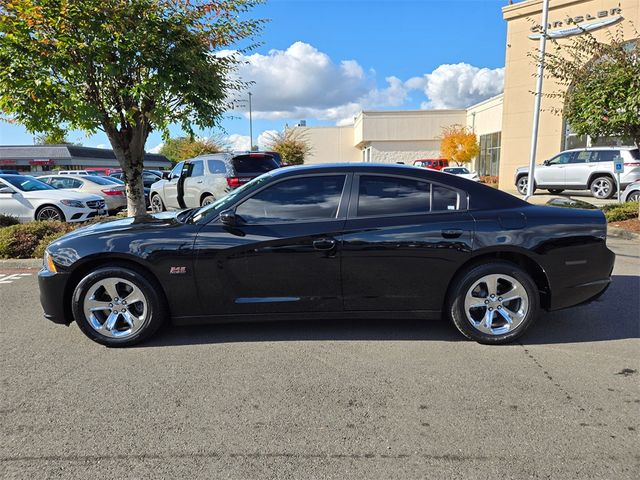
(365, 399)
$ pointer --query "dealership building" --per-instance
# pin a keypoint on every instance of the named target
(43, 158)
(503, 123)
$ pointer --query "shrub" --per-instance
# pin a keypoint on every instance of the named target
(7, 220)
(618, 212)
(20, 241)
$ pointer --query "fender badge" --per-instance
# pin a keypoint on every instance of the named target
(177, 270)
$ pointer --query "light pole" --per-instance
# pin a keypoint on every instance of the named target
(250, 125)
(538, 98)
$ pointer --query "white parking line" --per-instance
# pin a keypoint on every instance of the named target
(13, 277)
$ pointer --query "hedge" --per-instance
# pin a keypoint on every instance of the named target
(617, 212)
(26, 240)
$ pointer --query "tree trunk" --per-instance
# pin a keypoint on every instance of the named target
(128, 147)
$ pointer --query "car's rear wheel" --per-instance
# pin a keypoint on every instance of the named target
(602, 187)
(157, 205)
(49, 212)
(522, 184)
(117, 306)
(207, 200)
(493, 303)
(556, 191)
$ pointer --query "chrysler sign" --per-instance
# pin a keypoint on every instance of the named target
(579, 24)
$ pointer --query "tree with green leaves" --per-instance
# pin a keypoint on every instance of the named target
(54, 137)
(291, 144)
(124, 67)
(183, 148)
(599, 84)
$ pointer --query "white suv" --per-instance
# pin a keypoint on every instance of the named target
(203, 180)
(583, 169)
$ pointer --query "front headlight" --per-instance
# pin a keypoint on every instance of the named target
(48, 262)
(72, 203)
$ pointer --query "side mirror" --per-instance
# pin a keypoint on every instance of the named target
(7, 190)
(228, 218)
(545, 163)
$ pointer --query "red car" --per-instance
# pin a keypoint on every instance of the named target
(432, 163)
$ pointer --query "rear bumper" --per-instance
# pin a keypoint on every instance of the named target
(587, 289)
(52, 290)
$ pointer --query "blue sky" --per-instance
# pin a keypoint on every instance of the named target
(325, 60)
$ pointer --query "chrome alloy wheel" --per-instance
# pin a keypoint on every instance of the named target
(496, 304)
(523, 184)
(50, 213)
(115, 308)
(156, 204)
(601, 188)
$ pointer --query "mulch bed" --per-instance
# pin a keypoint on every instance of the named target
(632, 225)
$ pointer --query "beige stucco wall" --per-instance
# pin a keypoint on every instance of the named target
(403, 151)
(520, 77)
(486, 117)
(331, 144)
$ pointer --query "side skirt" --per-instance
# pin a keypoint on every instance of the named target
(373, 315)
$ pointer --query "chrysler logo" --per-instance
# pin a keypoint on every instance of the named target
(579, 24)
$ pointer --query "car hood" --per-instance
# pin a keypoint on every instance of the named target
(60, 195)
(128, 224)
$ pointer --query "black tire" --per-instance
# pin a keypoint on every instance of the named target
(634, 196)
(521, 184)
(555, 191)
(602, 187)
(463, 283)
(156, 203)
(154, 301)
(49, 212)
(207, 200)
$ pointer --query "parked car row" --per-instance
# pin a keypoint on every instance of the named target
(28, 198)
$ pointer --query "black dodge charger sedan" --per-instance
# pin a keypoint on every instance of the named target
(333, 241)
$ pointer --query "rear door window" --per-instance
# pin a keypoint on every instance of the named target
(380, 195)
(444, 199)
(253, 164)
(197, 168)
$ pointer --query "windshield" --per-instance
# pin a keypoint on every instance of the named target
(456, 171)
(229, 199)
(25, 183)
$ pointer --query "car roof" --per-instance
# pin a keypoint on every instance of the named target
(613, 147)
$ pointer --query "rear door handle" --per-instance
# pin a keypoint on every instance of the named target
(324, 244)
(451, 233)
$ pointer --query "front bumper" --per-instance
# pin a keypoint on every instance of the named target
(52, 295)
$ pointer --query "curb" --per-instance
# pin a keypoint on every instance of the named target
(622, 233)
(21, 264)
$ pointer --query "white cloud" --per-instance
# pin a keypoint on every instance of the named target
(459, 85)
(236, 141)
(103, 146)
(156, 149)
(302, 82)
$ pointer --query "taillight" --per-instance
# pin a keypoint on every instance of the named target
(112, 191)
(632, 164)
(235, 182)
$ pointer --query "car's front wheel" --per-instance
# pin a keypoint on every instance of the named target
(523, 183)
(602, 187)
(493, 303)
(49, 212)
(157, 205)
(634, 196)
(117, 306)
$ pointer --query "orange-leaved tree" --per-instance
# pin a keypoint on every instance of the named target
(458, 144)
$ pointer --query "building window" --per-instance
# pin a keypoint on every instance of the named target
(573, 140)
(489, 157)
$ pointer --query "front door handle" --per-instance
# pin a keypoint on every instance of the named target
(451, 233)
(324, 244)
